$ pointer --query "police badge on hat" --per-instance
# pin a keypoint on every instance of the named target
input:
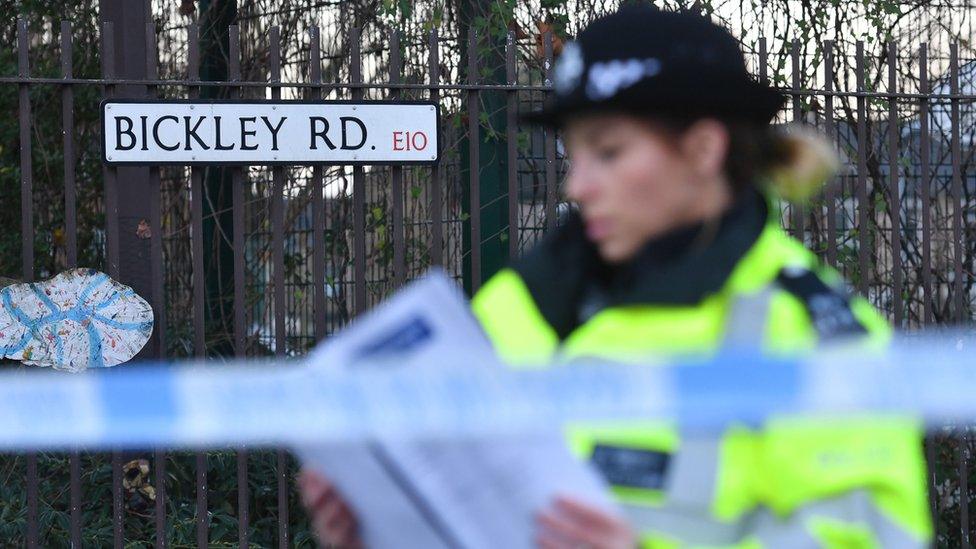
(568, 69)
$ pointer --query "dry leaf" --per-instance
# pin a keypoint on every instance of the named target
(143, 231)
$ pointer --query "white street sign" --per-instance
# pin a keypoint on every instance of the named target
(269, 132)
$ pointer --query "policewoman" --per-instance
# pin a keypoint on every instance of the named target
(676, 248)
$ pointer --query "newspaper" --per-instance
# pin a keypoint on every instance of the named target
(459, 492)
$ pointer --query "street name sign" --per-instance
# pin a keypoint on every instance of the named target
(188, 132)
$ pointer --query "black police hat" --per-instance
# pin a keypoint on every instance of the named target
(646, 61)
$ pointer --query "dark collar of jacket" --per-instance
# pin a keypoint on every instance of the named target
(570, 283)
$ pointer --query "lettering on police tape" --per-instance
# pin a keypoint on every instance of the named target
(269, 132)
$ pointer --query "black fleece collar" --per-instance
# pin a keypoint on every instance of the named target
(570, 283)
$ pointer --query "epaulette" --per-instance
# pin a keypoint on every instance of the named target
(829, 307)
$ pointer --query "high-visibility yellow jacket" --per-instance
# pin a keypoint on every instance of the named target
(786, 483)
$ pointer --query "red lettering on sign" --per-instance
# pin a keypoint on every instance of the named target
(405, 141)
(422, 137)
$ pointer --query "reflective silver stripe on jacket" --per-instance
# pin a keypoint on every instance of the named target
(745, 323)
(689, 526)
(853, 508)
(795, 531)
(692, 473)
(692, 478)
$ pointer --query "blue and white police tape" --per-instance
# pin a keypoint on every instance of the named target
(932, 378)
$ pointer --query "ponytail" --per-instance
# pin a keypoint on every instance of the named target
(798, 161)
(791, 162)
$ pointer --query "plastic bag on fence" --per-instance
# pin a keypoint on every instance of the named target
(77, 320)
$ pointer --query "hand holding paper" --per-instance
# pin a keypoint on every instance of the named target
(449, 492)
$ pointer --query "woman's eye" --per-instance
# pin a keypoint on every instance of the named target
(607, 154)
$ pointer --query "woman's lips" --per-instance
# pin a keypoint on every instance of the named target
(598, 229)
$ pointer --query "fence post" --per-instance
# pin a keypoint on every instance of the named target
(484, 154)
(27, 237)
(436, 214)
(131, 23)
(216, 17)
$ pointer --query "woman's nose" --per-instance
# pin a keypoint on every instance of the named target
(578, 187)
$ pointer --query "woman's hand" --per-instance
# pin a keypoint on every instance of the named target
(571, 524)
(332, 520)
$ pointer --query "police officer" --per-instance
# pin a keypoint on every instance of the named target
(676, 249)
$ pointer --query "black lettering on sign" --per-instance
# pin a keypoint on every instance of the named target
(145, 139)
(159, 143)
(191, 133)
(362, 128)
(315, 121)
(274, 130)
(245, 133)
(217, 144)
(119, 132)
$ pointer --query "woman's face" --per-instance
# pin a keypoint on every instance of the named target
(633, 182)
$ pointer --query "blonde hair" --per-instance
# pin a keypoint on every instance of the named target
(799, 161)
